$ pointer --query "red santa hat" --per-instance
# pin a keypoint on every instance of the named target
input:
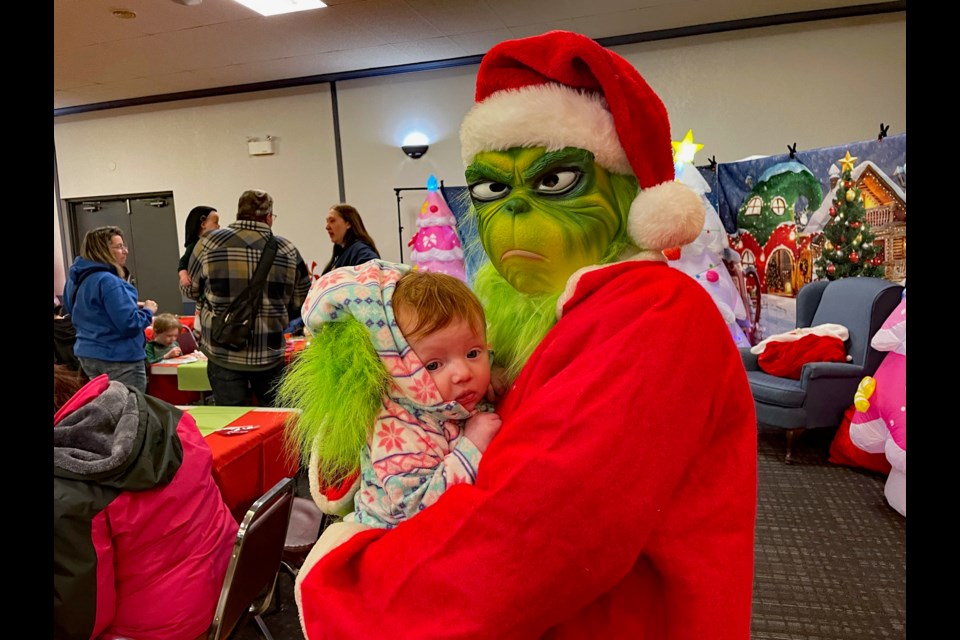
(562, 89)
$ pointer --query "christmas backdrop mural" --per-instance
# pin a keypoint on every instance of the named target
(831, 212)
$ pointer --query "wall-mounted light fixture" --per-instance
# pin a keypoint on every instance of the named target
(415, 144)
(415, 150)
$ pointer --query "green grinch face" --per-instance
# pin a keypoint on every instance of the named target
(543, 215)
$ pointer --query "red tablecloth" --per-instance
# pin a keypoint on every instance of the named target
(246, 465)
(294, 347)
(165, 388)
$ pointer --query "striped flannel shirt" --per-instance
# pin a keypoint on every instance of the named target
(220, 268)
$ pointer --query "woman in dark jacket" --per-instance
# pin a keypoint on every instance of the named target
(200, 220)
(352, 245)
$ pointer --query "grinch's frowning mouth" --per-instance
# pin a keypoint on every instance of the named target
(520, 253)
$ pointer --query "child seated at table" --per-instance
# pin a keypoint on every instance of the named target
(164, 345)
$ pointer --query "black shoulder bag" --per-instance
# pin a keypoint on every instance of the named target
(233, 330)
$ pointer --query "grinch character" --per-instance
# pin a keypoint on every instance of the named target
(618, 499)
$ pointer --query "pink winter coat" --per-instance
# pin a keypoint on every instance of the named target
(142, 537)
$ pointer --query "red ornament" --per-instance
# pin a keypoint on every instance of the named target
(833, 212)
(847, 184)
(855, 224)
(854, 258)
(831, 268)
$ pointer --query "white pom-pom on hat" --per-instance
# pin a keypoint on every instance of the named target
(667, 215)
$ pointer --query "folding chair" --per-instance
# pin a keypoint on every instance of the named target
(251, 577)
(188, 344)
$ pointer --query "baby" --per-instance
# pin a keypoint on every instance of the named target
(430, 423)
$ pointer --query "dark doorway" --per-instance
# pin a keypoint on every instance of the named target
(149, 225)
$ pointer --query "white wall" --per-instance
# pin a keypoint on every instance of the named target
(754, 92)
(198, 150)
(743, 93)
(375, 114)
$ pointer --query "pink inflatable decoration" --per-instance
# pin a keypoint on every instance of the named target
(880, 422)
(436, 245)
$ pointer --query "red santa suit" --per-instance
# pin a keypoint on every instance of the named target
(617, 501)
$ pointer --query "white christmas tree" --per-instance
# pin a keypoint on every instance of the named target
(703, 258)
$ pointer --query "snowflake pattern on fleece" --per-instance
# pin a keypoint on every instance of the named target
(416, 448)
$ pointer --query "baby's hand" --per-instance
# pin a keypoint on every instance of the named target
(481, 428)
(173, 353)
(498, 383)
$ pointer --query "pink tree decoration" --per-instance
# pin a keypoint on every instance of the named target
(436, 245)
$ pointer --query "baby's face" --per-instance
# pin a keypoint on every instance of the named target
(458, 361)
(168, 337)
(210, 223)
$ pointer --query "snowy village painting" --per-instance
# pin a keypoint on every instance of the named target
(776, 210)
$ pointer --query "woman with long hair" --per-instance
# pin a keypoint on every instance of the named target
(106, 315)
(200, 220)
(352, 245)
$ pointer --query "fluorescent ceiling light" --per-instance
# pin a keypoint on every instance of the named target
(276, 7)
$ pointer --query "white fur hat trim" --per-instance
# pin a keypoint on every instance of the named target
(825, 330)
(545, 115)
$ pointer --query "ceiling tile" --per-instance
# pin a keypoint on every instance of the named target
(389, 20)
(458, 16)
(480, 42)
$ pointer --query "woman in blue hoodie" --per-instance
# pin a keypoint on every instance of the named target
(106, 315)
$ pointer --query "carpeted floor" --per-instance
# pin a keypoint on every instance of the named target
(830, 552)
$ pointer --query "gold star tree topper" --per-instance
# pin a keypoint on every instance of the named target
(847, 162)
(685, 150)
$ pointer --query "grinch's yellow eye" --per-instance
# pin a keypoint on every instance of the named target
(558, 182)
(488, 190)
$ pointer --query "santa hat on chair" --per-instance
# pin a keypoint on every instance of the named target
(562, 89)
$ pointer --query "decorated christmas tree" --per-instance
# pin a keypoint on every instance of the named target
(848, 248)
(436, 245)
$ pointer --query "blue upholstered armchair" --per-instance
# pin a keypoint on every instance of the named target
(825, 389)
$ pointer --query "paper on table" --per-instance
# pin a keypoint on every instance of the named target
(210, 419)
(180, 359)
